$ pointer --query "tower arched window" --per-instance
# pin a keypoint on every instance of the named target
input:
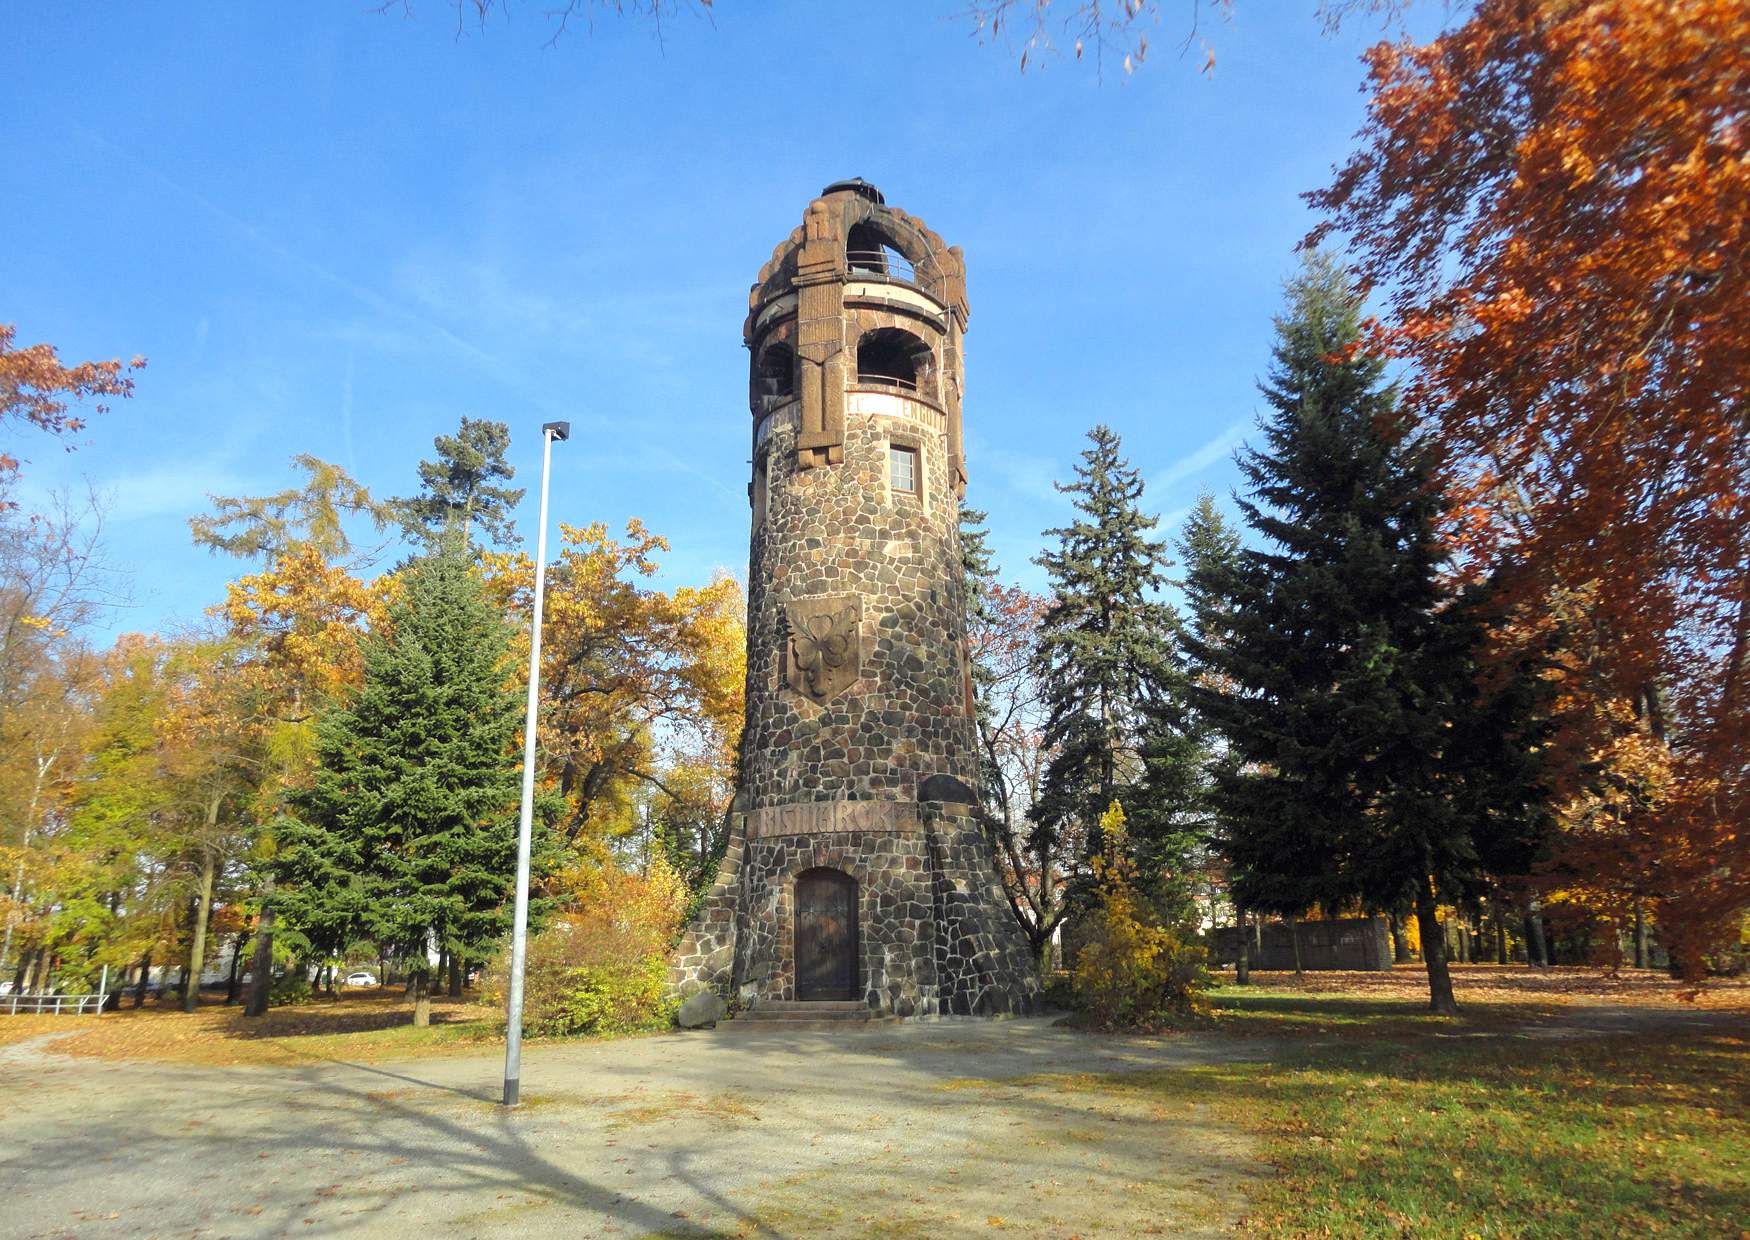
(892, 357)
(868, 253)
(776, 373)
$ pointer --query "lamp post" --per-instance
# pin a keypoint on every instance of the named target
(519, 934)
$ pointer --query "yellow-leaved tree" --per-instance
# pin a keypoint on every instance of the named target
(1131, 971)
(641, 690)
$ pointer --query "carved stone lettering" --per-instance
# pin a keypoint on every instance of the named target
(832, 817)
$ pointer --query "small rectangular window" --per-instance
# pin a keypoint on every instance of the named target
(902, 468)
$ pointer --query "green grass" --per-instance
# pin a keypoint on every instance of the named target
(1381, 1121)
(1247, 1011)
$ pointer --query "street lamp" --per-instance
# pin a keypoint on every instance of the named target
(519, 934)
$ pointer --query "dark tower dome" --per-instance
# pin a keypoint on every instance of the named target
(856, 185)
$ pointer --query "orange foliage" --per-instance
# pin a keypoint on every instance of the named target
(37, 389)
(307, 617)
(1555, 196)
(625, 669)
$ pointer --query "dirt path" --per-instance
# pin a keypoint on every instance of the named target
(920, 1130)
(928, 1130)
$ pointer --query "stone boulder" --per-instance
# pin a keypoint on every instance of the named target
(700, 1010)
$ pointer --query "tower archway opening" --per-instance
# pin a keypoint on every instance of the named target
(868, 253)
(893, 357)
(776, 373)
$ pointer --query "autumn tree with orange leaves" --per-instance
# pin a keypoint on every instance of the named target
(39, 391)
(631, 677)
(1554, 200)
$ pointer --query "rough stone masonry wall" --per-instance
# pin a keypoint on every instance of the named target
(838, 531)
(983, 965)
(896, 931)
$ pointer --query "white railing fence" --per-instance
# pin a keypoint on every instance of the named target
(57, 1004)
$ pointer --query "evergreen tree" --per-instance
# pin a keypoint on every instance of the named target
(1209, 547)
(407, 836)
(980, 580)
(1340, 670)
(1107, 657)
(462, 487)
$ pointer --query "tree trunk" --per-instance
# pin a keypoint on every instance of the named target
(1400, 941)
(1294, 938)
(1642, 958)
(33, 965)
(191, 994)
(17, 895)
(1536, 947)
(145, 979)
(1500, 931)
(261, 966)
(1243, 964)
(236, 970)
(456, 970)
(422, 997)
(1440, 998)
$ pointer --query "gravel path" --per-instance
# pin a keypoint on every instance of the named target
(914, 1130)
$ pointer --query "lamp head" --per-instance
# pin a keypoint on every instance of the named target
(560, 431)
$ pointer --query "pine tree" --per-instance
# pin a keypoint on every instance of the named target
(1107, 654)
(1209, 547)
(407, 836)
(461, 487)
(980, 580)
(1341, 672)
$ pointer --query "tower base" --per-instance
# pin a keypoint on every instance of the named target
(922, 930)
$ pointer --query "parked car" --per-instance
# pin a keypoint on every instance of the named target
(361, 978)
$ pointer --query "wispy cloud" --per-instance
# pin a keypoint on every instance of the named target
(369, 296)
(176, 489)
(482, 292)
(1027, 476)
(1170, 522)
(1196, 462)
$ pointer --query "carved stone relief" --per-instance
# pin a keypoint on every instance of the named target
(823, 647)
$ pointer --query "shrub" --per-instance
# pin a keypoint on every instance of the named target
(1130, 972)
(600, 966)
(290, 988)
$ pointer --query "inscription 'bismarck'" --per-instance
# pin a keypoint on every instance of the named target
(830, 817)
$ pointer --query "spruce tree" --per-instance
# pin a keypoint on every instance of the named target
(1209, 548)
(1107, 655)
(462, 488)
(1344, 676)
(980, 577)
(407, 835)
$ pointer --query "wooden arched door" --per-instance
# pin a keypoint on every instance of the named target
(826, 935)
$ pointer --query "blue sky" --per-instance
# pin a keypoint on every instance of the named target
(338, 231)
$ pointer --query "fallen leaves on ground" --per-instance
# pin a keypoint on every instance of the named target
(375, 1025)
(1516, 984)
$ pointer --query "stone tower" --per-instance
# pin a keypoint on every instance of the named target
(856, 866)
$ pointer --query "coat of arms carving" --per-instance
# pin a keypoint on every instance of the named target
(823, 648)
